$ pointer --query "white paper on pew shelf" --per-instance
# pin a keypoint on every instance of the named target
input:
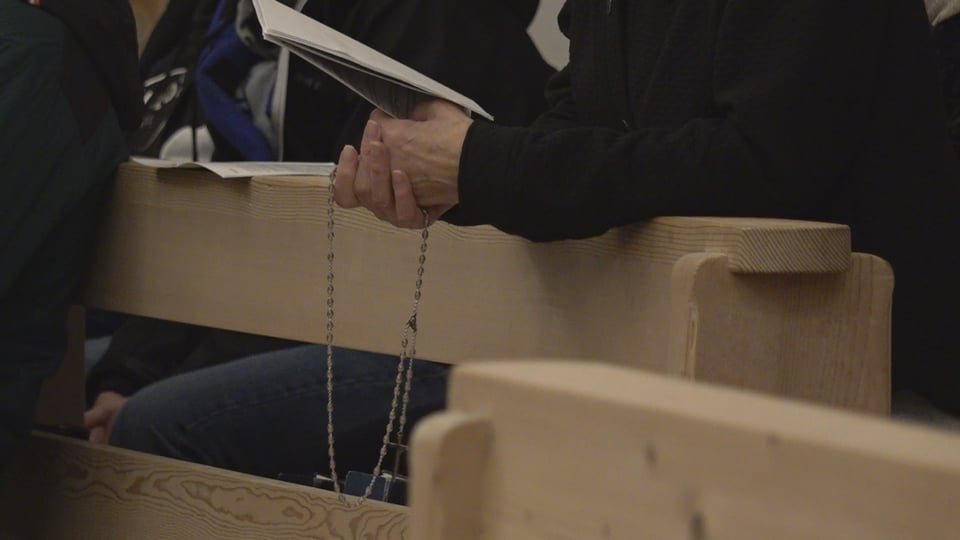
(243, 169)
(390, 85)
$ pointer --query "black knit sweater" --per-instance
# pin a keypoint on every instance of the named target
(812, 109)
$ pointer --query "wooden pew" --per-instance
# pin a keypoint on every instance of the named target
(547, 450)
(64, 489)
(777, 306)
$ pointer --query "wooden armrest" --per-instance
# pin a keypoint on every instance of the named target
(761, 245)
(753, 245)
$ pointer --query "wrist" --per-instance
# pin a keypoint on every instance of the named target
(449, 164)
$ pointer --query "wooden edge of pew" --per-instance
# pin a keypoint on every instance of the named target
(451, 448)
(698, 461)
(59, 487)
(785, 419)
(754, 245)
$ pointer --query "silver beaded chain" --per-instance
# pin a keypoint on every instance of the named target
(408, 352)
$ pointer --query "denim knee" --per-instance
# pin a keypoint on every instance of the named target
(146, 426)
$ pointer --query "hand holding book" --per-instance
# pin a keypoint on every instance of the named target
(406, 167)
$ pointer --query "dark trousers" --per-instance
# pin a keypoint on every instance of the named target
(60, 143)
(266, 414)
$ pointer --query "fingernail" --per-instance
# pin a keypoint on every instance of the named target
(373, 128)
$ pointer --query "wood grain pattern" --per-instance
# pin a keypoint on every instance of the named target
(61, 488)
(455, 459)
(251, 256)
(755, 245)
(591, 451)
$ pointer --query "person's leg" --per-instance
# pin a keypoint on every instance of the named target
(266, 414)
(59, 145)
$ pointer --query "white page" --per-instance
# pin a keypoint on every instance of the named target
(243, 169)
(321, 60)
(285, 26)
(394, 99)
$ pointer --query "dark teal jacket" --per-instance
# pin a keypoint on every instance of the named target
(108, 34)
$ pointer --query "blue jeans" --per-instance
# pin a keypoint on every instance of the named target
(60, 143)
(266, 414)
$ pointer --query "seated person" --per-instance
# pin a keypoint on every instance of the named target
(809, 109)
(472, 48)
(69, 91)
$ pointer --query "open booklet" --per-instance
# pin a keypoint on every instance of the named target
(243, 169)
(381, 80)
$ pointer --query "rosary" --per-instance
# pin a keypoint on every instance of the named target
(408, 351)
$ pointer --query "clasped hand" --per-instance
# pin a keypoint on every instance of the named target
(405, 167)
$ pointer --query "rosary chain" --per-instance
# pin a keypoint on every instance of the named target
(412, 325)
(331, 454)
(408, 346)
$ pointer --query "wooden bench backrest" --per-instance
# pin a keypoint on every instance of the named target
(547, 450)
(775, 305)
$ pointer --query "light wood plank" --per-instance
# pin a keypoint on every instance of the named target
(62, 488)
(251, 256)
(455, 458)
(819, 337)
(591, 451)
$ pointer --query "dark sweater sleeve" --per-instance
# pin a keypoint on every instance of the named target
(141, 352)
(791, 79)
